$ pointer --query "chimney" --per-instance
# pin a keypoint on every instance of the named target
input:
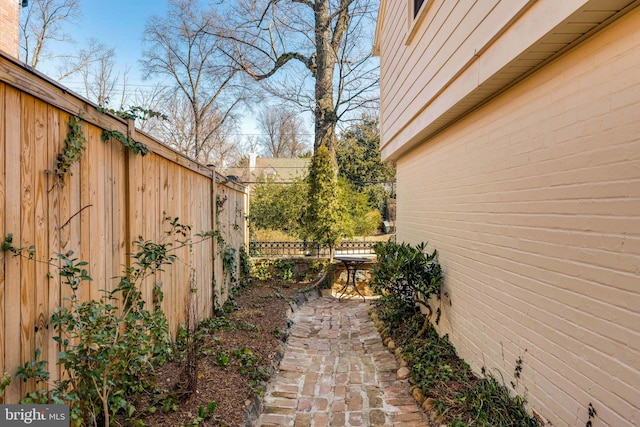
(252, 160)
(9, 26)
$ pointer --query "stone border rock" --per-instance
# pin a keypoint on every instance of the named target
(404, 373)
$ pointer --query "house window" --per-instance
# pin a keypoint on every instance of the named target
(417, 4)
(417, 11)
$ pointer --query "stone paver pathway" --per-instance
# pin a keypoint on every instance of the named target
(336, 372)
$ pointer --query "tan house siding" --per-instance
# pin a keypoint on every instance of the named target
(9, 27)
(533, 202)
(450, 36)
(462, 53)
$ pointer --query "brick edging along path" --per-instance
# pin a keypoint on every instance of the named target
(336, 372)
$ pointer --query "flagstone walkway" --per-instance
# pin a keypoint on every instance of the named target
(336, 372)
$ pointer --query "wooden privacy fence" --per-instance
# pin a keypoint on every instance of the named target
(111, 197)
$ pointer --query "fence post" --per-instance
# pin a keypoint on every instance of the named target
(129, 195)
(214, 245)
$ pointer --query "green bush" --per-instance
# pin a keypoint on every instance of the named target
(110, 346)
(284, 269)
(261, 269)
(409, 274)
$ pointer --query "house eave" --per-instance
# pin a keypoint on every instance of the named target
(375, 49)
(455, 100)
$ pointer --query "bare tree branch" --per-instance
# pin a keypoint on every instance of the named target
(307, 2)
(282, 132)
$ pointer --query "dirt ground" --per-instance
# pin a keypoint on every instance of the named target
(227, 366)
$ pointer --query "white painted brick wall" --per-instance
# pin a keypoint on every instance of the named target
(534, 205)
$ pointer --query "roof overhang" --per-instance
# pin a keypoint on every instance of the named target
(493, 78)
(379, 23)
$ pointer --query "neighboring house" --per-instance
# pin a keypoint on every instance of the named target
(279, 170)
(515, 125)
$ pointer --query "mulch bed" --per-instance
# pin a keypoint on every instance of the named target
(256, 327)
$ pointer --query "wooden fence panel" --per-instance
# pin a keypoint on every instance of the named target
(111, 197)
(231, 208)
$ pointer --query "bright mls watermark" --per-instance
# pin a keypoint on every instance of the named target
(34, 415)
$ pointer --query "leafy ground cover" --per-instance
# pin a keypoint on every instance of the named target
(444, 384)
(449, 391)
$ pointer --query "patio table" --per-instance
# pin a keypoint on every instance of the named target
(352, 265)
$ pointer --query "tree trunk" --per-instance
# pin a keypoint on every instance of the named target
(324, 112)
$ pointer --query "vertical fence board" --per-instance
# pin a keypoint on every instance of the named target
(148, 213)
(174, 178)
(41, 230)
(119, 212)
(176, 310)
(70, 215)
(134, 188)
(53, 222)
(86, 207)
(91, 166)
(157, 214)
(218, 248)
(163, 198)
(105, 174)
(12, 348)
(204, 257)
(192, 300)
(180, 309)
(27, 233)
(215, 294)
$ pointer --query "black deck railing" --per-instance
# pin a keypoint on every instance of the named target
(299, 249)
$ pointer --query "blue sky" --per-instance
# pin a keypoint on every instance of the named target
(118, 24)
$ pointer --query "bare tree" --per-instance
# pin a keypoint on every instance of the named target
(42, 35)
(283, 132)
(100, 81)
(206, 95)
(42, 23)
(94, 53)
(326, 38)
(154, 99)
(178, 131)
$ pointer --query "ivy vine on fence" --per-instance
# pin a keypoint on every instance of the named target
(133, 145)
(134, 112)
(75, 144)
(74, 147)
